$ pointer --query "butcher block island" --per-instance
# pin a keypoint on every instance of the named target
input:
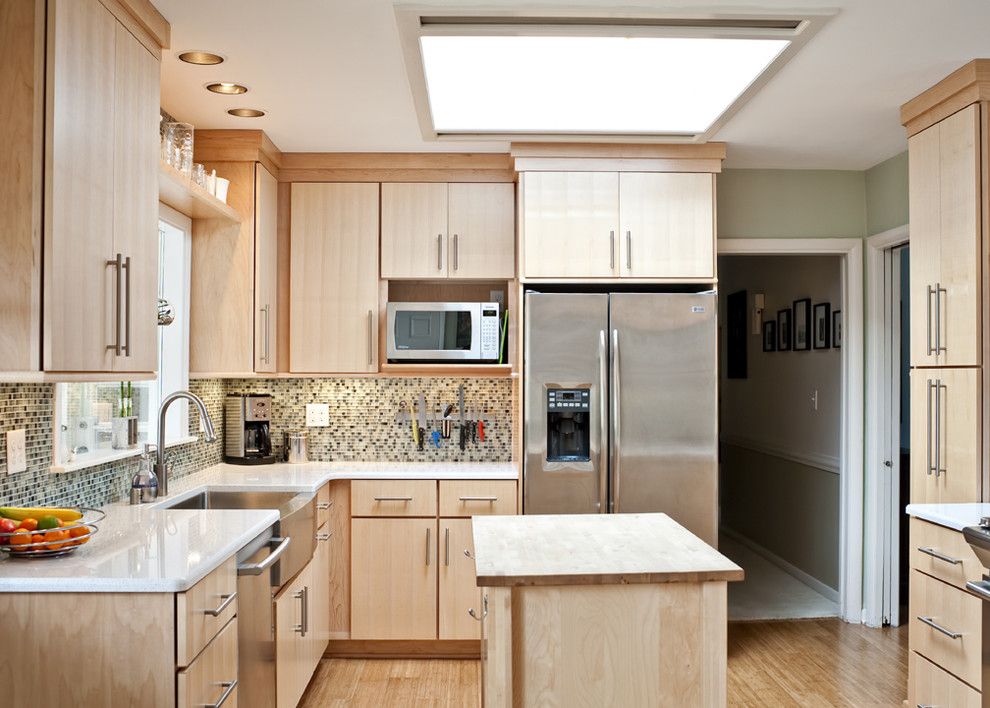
(600, 609)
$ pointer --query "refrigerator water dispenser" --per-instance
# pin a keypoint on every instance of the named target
(568, 424)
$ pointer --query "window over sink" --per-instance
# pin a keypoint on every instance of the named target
(103, 421)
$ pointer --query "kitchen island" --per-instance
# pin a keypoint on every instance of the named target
(600, 609)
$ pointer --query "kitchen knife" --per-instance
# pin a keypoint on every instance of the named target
(460, 408)
(422, 420)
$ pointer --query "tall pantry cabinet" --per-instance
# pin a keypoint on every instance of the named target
(948, 148)
(946, 309)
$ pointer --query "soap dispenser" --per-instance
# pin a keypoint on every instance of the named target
(144, 485)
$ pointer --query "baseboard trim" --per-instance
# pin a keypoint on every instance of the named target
(789, 568)
(825, 463)
(397, 648)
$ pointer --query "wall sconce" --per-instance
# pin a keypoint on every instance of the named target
(759, 302)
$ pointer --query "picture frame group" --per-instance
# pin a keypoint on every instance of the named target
(803, 327)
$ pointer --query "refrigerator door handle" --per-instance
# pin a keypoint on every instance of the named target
(603, 423)
(616, 422)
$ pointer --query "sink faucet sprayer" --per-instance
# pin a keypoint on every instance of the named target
(161, 468)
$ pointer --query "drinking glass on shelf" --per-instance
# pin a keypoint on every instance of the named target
(199, 175)
(177, 146)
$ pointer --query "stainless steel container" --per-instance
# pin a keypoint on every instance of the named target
(296, 447)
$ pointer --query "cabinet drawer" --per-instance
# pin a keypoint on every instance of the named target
(323, 504)
(955, 612)
(471, 497)
(213, 674)
(928, 685)
(202, 610)
(943, 553)
(393, 497)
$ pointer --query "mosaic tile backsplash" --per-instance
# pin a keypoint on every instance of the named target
(362, 427)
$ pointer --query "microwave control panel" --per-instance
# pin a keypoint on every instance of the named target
(573, 400)
(490, 326)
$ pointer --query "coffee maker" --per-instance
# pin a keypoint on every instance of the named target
(247, 429)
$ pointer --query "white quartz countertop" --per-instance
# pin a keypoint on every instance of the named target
(953, 516)
(151, 548)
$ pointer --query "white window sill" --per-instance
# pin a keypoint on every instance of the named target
(92, 459)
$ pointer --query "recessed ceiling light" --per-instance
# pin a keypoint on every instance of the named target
(202, 58)
(246, 112)
(588, 84)
(227, 88)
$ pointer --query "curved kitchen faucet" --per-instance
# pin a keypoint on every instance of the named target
(161, 468)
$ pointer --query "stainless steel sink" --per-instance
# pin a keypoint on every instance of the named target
(220, 499)
(297, 521)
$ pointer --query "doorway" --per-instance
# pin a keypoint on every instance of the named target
(780, 422)
(888, 438)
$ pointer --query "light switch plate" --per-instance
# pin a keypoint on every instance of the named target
(317, 415)
(16, 451)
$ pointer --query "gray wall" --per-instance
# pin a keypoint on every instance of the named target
(887, 194)
(780, 456)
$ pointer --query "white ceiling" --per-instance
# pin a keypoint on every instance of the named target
(331, 76)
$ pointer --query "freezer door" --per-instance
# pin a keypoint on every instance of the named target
(664, 409)
(565, 433)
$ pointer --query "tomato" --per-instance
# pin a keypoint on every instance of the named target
(29, 524)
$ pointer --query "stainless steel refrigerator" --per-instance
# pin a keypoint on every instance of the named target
(620, 405)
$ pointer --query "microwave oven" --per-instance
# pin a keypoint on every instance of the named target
(443, 331)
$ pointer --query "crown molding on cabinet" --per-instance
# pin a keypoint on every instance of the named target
(238, 146)
(964, 86)
(143, 20)
(617, 157)
(396, 167)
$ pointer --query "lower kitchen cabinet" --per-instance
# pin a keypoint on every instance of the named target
(393, 578)
(459, 591)
(319, 634)
(945, 425)
(294, 646)
(211, 679)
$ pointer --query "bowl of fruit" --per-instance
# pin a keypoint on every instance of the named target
(27, 532)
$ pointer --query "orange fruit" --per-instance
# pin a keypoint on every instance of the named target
(79, 533)
(20, 537)
(29, 524)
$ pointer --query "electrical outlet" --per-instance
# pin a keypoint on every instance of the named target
(16, 451)
(317, 415)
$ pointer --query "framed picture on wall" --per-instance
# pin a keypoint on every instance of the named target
(837, 329)
(821, 338)
(783, 330)
(769, 336)
(801, 323)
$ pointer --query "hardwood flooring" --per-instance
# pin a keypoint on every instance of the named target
(793, 663)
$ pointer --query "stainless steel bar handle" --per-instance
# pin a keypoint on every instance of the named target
(218, 610)
(628, 250)
(371, 337)
(931, 463)
(484, 499)
(397, 499)
(611, 250)
(117, 263)
(265, 350)
(939, 349)
(446, 546)
(305, 610)
(467, 554)
(455, 251)
(323, 506)
(439, 251)
(929, 551)
(930, 621)
(268, 333)
(301, 627)
(281, 544)
(616, 421)
(938, 428)
(484, 609)
(427, 545)
(980, 587)
(127, 300)
(603, 423)
(931, 349)
(323, 536)
(228, 688)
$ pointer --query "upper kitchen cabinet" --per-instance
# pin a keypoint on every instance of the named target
(667, 225)
(945, 199)
(611, 212)
(234, 314)
(80, 277)
(333, 299)
(440, 230)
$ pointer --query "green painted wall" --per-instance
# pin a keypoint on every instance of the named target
(791, 204)
(887, 194)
